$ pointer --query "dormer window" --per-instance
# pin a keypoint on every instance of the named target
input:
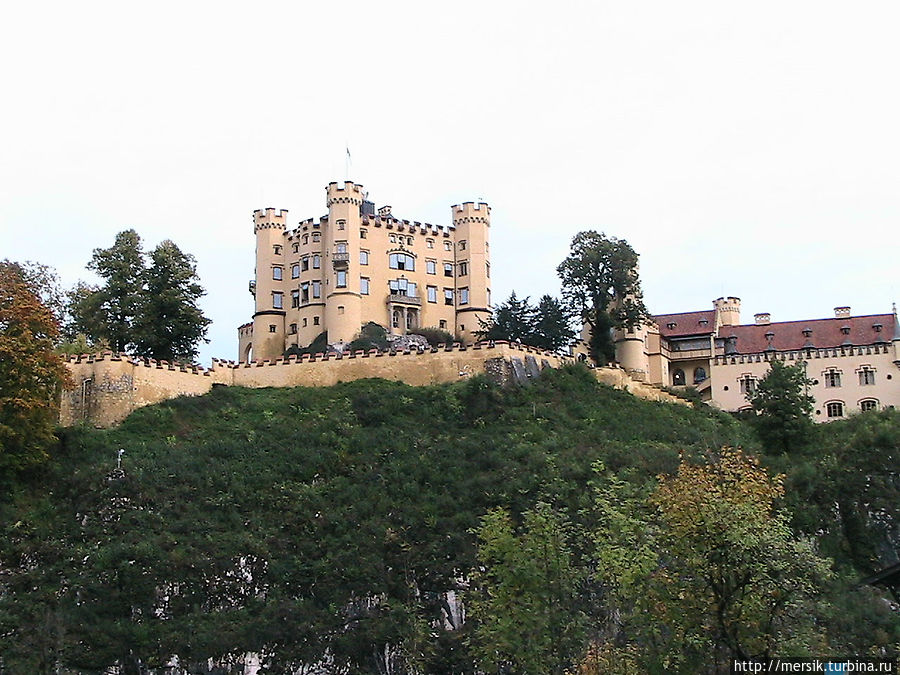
(845, 330)
(877, 327)
(671, 325)
(704, 322)
(807, 332)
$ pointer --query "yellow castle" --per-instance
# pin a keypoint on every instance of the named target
(356, 265)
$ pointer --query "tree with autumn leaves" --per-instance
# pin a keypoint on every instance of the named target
(31, 373)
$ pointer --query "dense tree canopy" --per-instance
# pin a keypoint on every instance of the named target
(30, 372)
(601, 286)
(545, 326)
(151, 311)
(783, 408)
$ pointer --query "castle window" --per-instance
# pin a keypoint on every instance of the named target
(462, 245)
(448, 269)
(464, 296)
(447, 246)
(411, 320)
(364, 285)
(699, 375)
(392, 238)
(304, 290)
(432, 294)
(748, 384)
(293, 329)
(431, 266)
(402, 261)
(448, 296)
(340, 309)
(317, 289)
(409, 241)
(442, 324)
(866, 375)
(363, 233)
(304, 263)
(276, 249)
(278, 300)
(463, 269)
(832, 378)
(315, 321)
(487, 270)
(295, 247)
(342, 224)
(295, 299)
(868, 404)
(402, 287)
(305, 239)
(671, 325)
(341, 281)
(305, 320)
(363, 257)
(272, 328)
(317, 261)
(295, 271)
(316, 237)
(429, 243)
(395, 318)
(834, 409)
(340, 247)
(277, 273)
(488, 292)
(677, 377)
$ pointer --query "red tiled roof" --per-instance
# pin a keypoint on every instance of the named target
(788, 335)
(686, 323)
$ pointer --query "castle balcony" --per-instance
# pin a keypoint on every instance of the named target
(688, 354)
(397, 299)
(252, 287)
(341, 261)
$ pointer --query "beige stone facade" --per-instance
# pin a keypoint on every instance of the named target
(853, 361)
(355, 265)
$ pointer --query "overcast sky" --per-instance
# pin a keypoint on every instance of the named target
(745, 149)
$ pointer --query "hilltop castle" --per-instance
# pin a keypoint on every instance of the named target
(853, 361)
(355, 265)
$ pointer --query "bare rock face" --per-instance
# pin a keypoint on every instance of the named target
(402, 343)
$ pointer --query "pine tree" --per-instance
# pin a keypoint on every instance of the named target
(552, 330)
(513, 320)
(168, 323)
(784, 408)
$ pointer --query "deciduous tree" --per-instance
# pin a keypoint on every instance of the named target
(30, 372)
(601, 286)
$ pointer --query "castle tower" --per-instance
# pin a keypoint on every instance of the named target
(343, 310)
(268, 318)
(472, 222)
(728, 311)
(631, 352)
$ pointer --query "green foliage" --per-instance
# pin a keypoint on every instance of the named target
(150, 310)
(523, 594)
(545, 326)
(784, 408)
(601, 286)
(437, 337)
(169, 324)
(31, 374)
(318, 346)
(299, 522)
(371, 336)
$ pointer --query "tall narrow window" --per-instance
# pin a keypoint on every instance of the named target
(866, 375)
(832, 378)
(363, 257)
(304, 263)
(448, 296)
(295, 299)
(463, 268)
(432, 294)
(363, 285)
(748, 384)
(341, 281)
(295, 271)
(304, 293)
(431, 266)
(464, 296)
(448, 246)
(277, 300)
(317, 289)
(317, 261)
(448, 269)
(277, 273)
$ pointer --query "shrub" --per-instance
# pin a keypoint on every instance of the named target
(437, 337)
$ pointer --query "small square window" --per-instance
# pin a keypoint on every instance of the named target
(293, 329)
(462, 245)
(429, 243)
(868, 404)
(363, 233)
(342, 224)
(442, 324)
(272, 328)
(315, 321)
(276, 249)
(832, 379)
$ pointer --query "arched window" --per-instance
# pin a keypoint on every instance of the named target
(834, 409)
(397, 318)
(699, 375)
(402, 261)
(677, 377)
(868, 404)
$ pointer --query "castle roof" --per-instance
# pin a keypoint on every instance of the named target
(686, 323)
(816, 333)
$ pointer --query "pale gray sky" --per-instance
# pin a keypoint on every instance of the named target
(745, 149)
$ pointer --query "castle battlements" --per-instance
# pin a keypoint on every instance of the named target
(471, 212)
(269, 218)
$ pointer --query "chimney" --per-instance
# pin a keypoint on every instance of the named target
(384, 211)
(841, 312)
(762, 319)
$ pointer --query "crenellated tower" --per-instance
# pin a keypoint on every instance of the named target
(269, 292)
(728, 311)
(341, 245)
(472, 224)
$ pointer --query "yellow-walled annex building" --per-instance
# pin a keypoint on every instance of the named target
(356, 265)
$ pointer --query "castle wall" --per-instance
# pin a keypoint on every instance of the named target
(107, 387)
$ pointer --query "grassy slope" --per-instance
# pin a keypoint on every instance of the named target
(314, 496)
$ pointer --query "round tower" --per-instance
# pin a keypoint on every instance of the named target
(269, 292)
(472, 225)
(631, 351)
(728, 311)
(341, 244)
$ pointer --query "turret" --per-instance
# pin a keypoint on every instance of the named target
(269, 291)
(341, 244)
(728, 311)
(472, 223)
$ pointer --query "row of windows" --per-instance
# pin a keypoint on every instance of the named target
(836, 408)
(397, 261)
(866, 375)
(400, 287)
(363, 234)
